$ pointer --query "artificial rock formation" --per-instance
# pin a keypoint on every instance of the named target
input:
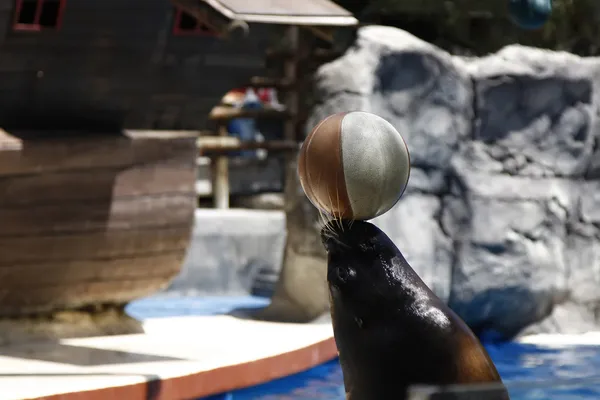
(502, 214)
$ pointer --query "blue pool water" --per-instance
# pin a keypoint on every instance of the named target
(572, 373)
(179, 306)
(530, 372)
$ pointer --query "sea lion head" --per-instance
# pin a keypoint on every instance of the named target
(364, 270)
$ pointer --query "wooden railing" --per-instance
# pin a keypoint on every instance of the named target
(220, 145)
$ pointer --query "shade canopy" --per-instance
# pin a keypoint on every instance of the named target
(284, 12)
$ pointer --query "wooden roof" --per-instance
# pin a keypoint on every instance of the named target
(285, 12)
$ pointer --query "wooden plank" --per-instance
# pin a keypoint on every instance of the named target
(325, 33)
(98, 215)
(83, 185)
(39, 274)
(85, 246)
(320, 55)
(224, 114)
(291, 73)
(282, 12)
(227, 144)
(266, 82)
(291, 101)
(306, 8)
(30, 154)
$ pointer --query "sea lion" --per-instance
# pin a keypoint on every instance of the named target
(391, 330)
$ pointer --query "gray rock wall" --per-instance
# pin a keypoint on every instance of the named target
(502, 214)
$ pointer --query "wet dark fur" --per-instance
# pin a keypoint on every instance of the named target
(391, 330)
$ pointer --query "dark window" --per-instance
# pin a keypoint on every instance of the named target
(35, 15)
(26, 15)
(187, 24)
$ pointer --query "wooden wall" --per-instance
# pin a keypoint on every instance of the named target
(100, 219)
(116, 63)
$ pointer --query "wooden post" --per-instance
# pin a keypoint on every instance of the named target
(291, 103)
(221, 176)
(290, 75)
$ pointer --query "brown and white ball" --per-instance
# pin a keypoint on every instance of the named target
(354, 165)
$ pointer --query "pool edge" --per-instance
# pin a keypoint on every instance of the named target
(215, 381)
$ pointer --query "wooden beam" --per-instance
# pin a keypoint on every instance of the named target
(203, 12)
(322, 32)
(291, 101)
(290, 69)
(278, 83)
(225, 114)
(217, 145)
(321, 55)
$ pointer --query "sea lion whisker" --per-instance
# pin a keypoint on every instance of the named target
(329, 233)
(333, 236)
(326, 227)
(337, 195)
(336, 217)
(322, 218)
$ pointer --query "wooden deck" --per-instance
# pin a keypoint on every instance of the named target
(176, 358)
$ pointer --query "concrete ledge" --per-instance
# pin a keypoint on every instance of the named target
(230, 250)
(176, 358)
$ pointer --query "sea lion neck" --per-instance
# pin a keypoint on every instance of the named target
(390, 329)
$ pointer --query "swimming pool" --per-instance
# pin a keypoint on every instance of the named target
(530, 372)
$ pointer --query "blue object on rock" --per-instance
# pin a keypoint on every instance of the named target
(530, 14)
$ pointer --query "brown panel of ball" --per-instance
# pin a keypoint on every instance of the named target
(320, 169)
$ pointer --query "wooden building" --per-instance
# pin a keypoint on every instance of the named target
(109, 64)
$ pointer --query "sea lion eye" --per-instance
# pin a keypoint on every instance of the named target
(345, 273)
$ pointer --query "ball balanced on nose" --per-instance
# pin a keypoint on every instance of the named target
(354, 165)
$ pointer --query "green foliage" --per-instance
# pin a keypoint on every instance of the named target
(574, 26)
(482, 26)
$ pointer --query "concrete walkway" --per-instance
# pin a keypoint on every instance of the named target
(176, 358)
